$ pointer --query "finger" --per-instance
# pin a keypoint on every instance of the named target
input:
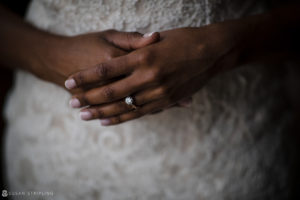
(108, 93)
(131, 40)
(149, 95)
(146, 109)
(104, 71)
(120, 107)
(105, 111)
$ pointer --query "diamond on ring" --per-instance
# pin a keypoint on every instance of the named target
(130, 101)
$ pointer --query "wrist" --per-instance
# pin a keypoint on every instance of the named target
(255, 37)
(259, 38)
(43, 53)
(238, 42)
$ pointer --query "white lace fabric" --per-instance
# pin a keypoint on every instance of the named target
(224, 147)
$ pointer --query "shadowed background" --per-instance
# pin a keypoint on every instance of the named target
(6, 79)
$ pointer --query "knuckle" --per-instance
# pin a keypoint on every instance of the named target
(132, 35)
(101, 70)
(108, 54)
(129, 39)
(156, 74)
(100, 114)
(112, 53)
(79, 78)
(144, 57)
(151, 76)
(108, 93)
(85, 100)
(129, 36)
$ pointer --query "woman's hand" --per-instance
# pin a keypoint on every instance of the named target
(66, 55)
(53, 57)
(156, 76)
(159, 75)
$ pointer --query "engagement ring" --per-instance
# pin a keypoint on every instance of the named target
(130, 101)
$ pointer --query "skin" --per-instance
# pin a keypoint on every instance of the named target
(71, 54)
(54, 57)
(157, 75)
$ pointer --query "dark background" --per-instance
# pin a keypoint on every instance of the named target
(6, 79)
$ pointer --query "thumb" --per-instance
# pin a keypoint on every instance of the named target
(131, 40)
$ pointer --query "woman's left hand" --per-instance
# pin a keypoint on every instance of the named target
(159, 75)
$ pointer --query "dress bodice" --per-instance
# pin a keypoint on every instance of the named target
(75, 17)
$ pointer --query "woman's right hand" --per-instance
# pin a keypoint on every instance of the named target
(63, 56)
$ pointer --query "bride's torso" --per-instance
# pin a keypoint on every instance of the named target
(224, 146)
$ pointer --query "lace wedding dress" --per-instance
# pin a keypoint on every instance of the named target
(228, 145)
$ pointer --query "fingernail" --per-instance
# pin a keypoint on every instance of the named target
(74, 103)
(105, 122)
(85, 115)
(70, 83)
(148, 34)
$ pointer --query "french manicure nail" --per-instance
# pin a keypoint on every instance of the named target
(85, 115)
(105, 122)
(70, 83)
(74, 103)
(148, 34)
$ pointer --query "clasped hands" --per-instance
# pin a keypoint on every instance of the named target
(159, 70)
